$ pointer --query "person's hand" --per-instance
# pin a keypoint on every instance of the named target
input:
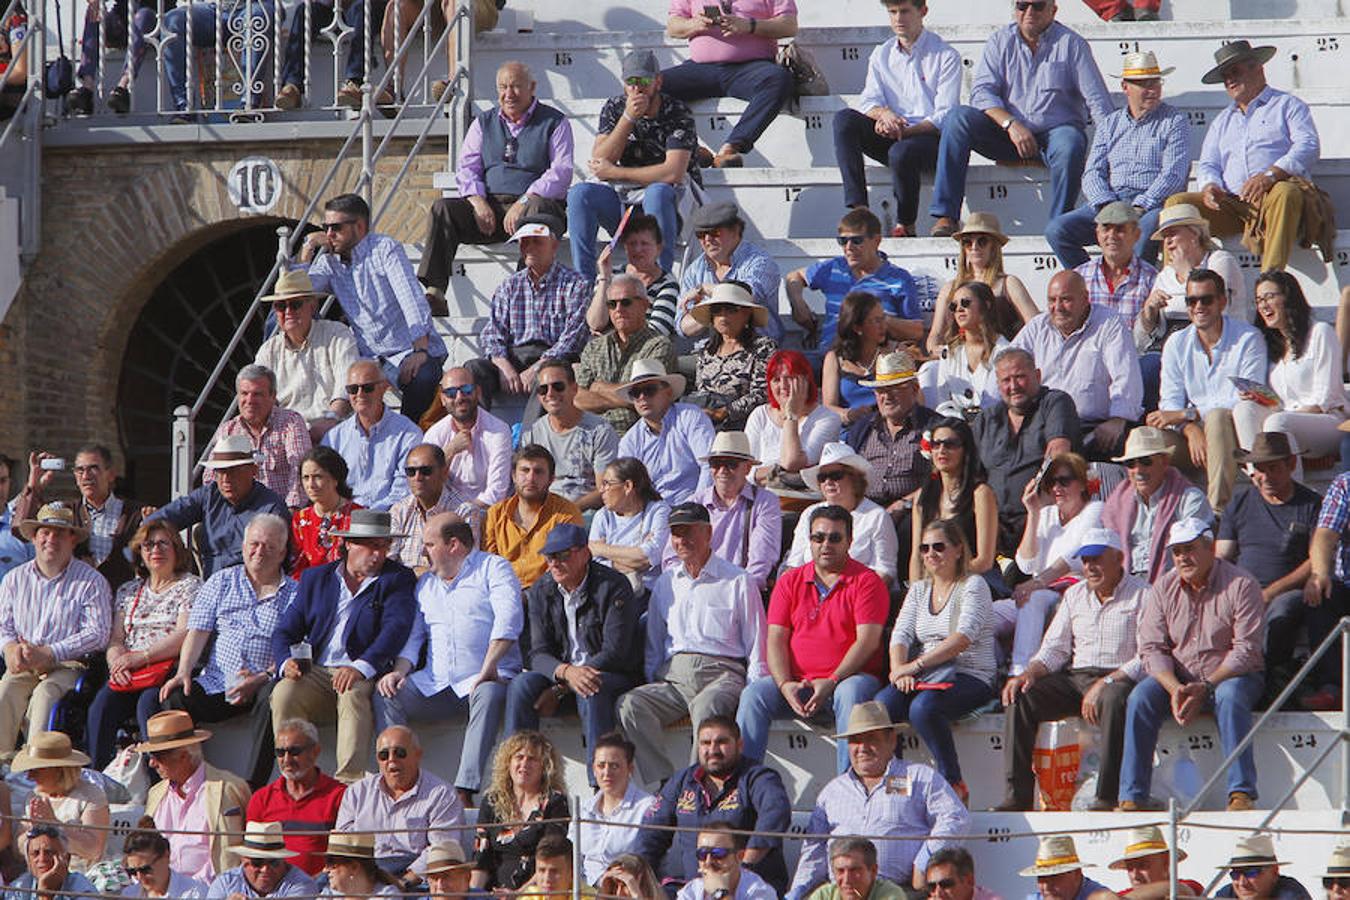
(1023, 591)
(123, 664)
(1256, 188)
(625, 878)
(407, 370)
(1017, 684)
(513, 216)
(528, 377)
(245, 687)
(636, 105)
(1023, 140)
(822, 689)
(1165, 418)
(483, 216)
(40, 809)
(789, 691)
(37, 657)
(794, 400)
(602, 169)
(1153, 308)
(291, 669)
(510, 378)
(14, 656)
(1212, 196)
(346, 678)
(486, 675)
(702, 25)
(54, 878)
(734, 25)
(889, 125)
(1187, 702)
(1108, 433)
(602, 262)
(1195, 438)
(181, 681)
(807, 321)
(585, 680)
(390, 684)
(39, 477)
(463, 440)
(1091, 698)
(905, 684)
(1031, 498)
(1316, 589)
(148, 511)
(905, 669)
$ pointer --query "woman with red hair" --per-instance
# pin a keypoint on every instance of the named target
(787, 433)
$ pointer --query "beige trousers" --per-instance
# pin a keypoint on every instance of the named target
(29, 698)
(1220, 442)
(312, 697)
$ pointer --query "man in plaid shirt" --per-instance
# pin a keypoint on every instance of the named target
(281, 436)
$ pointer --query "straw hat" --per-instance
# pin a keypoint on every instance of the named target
(1254, 850)
(446, 856)
(1146, 840)
(1184, 214)
(982, 223)
(52, 515)
(48, 750)
(1142, 66)
(169, 729)
(896, 367)
(351, 846)
(870, 715)
(732, 295)
(293, 284)
(264, 840)
(1339, 864)
(1144, 441)
(369, 523)
(1236, 52)
(651, 370)
(230, 451)
(837, 453)
(1055, 855)
(732, 445)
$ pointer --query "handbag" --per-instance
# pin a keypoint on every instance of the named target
(58, 77)
(806, 74)
(149, 675)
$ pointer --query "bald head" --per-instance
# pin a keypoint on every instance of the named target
(366, 386)
(1066, 302)
(515, 89)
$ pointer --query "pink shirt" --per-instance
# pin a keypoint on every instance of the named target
(1192, 633)
(483, 472)
(188, 853)
(713, 48)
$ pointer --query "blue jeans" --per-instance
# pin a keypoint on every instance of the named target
(1069, 233)
(932, 712)
(1150, 705)
(762, 83)
(763, 702)
(204, 35)
(596, 711)
(591, 205)
(1287, 613)
(293, 64)
(1063, 150)
(855, 134)
(108, 711)
(484, 707)
(115, 35)
(418, 393)
(1150, 365)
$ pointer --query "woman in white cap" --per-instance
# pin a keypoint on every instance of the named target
(61, 797)
(981, 259)
(962, 380)
(1187, 244)
(843, 478)
(730, 376)
(859, 342)
(629, 532)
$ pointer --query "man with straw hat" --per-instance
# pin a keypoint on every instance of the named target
(1059, 872)
(1336, 881)
(54, 610)
(265, 869)
(1255, 873)
(448, 871)
(670, 438)
(1146, 862)
(1140, 155)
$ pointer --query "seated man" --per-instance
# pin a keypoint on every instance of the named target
(607, 361)
(224, 507)
(1059, 873)
(54, 611)
(582, 443)
(517, 528)
(1337, 877)
(728, 256)
(670, 438)
(851, 804)
(1120, 279)
(1086, 351)
(1034, 86)
(1086, 666)
(696, 664)
(733, 54)
(1146, 862)
(477, 444)
(304, 799)
(265, 869)
(553, 872)
(1252, 151)
(643, 156)
(469, 619)
(374, 283)
(190, 789)
(822, 662)
(513, 161)
(406, 807)
(375, 441)
(428, 496)
(46, 850)
(1254, 871)
(1200, 640)
(862, 267)
(1029, 424)
(539, 311)
(951, 872)
(720, 873)
(279, 436)
(1197, 393)
(583, 640)
(447, 871)
(747, 521)
(854, 874)
(913, 82)
(352, 616)
(1327, 592)
(724, 786)
(309, 356)
(1140, 156)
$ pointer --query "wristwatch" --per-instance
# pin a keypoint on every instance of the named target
(1109, 679)
(1009, 124)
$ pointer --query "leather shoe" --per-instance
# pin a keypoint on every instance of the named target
(1240, 801)
(1097, 804)
(1147, 805)
(944, 227)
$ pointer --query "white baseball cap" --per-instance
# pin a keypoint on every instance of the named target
(1097, 540)
(1187, 530)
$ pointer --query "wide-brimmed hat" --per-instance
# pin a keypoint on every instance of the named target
(870, 715)
(1268, 446)
(230, 451)
(733, 295)
(1142, 66)
(1235, 52)
(446, 856)
(1254, 850)
(982, 223)
(893, 368)
(265, 840)
(1055, 855)
(52, 515)
(731, 444)
(1145, 840)
(1339, 864)
(837, 453)
(169, 729)
(351, 846)
(1144, 441)
(1184, 214)
(651, 370)
(48, 750)
(369, 523)
(293, 284)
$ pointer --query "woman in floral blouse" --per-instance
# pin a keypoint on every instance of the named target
(730, 380)
(323, 475)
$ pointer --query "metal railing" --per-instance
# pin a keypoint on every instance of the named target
(21, 137)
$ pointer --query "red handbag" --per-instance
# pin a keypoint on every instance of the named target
(149, 675)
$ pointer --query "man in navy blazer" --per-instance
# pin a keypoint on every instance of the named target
(342, 632)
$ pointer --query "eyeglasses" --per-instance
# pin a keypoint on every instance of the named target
(337, 226)
(945, 884)
(1142, 462)
(935, 547)
(610, 482)
(625, 302)
(384, 753)
(705, 233)
(159, 544)
(640, 81)
(561, 556)
(92, 469)
(1267, 297)
(133, 871)
(725, 462)
(964, 303)
(292, 751)
(724, 309)
(834, 537)
(950, 443)
(264, 863)
(646, 390)
(558, 387)
(463, 390)
(704, 853)
(162, 754)
(1340, 882)
(365, 388)
(978, 240)
(851, 240)
(833, 475)
(1061, 480)
(424, 471)
(1248, 872)
(1202, 299)
(289, 305)
(1024, 5)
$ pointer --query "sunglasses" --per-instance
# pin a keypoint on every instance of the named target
(706, 233)
(833, 537)
(511, 150)
(133, 871)
(936, 547)
(945, 884)
(1202, 299)
(1037, 5)
(561, 556)
(1248, 872)
(289, 305)
(950, 443)
(640, 81)
(704, 853)
(463, 390)
(646, 390)
(424, 471)
(1142, 462)
(558, 387)
(964, 303)
(625, 302)
(976, 241)
(1061, 480)
(159, 544)
(832, 475)
(337, 226)
(297, 750)
(264, 863)
(724, 309)
(851, 240)
(384, 753)
(365, 388)
(725, 462)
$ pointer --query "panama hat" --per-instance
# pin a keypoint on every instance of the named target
(351, 846)
(1254, 850)
(982, 223)
(369, 523)
(52, 515)
(1339, 864)
(870, 715)
(650, 370)
(169, 729)
(446, 856)
(293, 284)
(1184, 214)
(896, 367)
(1142, 66)
(837, 453)
(1144, 441)
(48, 750)
(1146, 840)
(230, 451)
(731, 444)
(264, 840)
(1235, 52)
(733, 295)
(1055, 855)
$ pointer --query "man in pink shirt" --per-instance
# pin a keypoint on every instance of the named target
(733, 45)
(477, 445)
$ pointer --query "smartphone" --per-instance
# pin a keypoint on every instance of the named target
(53, 465)
(712, 11)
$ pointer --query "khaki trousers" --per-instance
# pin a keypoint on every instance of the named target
(1281, 215)
(1220, 442)
(312, 697)
(30, 698)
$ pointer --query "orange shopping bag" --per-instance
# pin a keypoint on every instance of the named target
(1055, 761)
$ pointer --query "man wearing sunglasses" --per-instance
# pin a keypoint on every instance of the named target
(951, 876)
(375, 441)
(265, 868)
(1337, 877)
(669, 437)
(720, 873)
(1254, 873)
(428, 497)
(583, 444)
(305, 798)
(1035, 89)
(607, 361)
(476, 443)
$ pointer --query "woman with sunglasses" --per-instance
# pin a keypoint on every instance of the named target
(947, 616)
(858, 342)
(962, 380)
(145, 860)
(958, 490)
(353, 874)
(788, 432)
(1059, 510)
(526, 786)
(1304, 374)
(323, 476)
(630, 531)
(149, 623)
(729, 381)
(642, 245)
(981, 259)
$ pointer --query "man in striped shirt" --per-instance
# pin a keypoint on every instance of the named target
(280, 436)
(54, 610)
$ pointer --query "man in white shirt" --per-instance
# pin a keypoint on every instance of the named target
(477, 444)
(721, 875)
(912, 82)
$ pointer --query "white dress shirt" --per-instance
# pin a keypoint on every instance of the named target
(922, 84)
(1097, 365)
(1191, 377)
(719, 613)
(600, 844)
(334, 652)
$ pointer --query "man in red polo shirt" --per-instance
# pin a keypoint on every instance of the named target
(824, 649)
(304, 800)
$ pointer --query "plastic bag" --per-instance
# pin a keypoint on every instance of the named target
(1055, 761)
(128, 769)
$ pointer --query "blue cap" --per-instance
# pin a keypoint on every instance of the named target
(564, 536)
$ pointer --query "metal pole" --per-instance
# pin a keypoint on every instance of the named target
(1345, 715)
(368, 141)
(181, 453)
(1173, 850)
(578, 873)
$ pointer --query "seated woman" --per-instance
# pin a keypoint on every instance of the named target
(843, 479)
(729, 381)
(1305, 373)
(858, 342)
(349, 863)
(642, 245)
(962, 380)
(62, 798)
(526, 785)
(618, 799)
(960, 492)
(788, 432)
(1059, 511)
(630, 876)
(1187, 245)
(981, 259)
(629, 532)
(145, 857)
(947, 616)
(323, 476)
